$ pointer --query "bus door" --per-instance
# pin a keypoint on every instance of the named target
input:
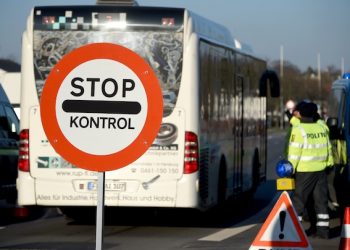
(238, 134)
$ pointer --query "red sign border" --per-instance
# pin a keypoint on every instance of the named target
(153, 120)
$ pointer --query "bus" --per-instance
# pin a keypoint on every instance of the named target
(211, 145)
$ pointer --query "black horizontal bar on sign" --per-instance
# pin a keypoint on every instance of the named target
(101, 107)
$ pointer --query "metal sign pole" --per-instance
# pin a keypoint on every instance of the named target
(100, 210)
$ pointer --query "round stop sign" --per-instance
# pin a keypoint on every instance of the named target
(101, 107)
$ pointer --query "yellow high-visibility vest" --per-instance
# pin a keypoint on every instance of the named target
(309, 148)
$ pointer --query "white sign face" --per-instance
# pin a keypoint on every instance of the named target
(101, 106)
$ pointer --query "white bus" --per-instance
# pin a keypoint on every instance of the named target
(212, 142)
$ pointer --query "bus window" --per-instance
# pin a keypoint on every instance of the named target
(161, 47)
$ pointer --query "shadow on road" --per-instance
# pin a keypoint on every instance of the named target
(232, 212)
(8, 214)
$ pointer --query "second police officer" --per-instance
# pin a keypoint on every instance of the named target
(310, 152)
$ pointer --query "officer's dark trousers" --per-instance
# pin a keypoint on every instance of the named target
(310, 185)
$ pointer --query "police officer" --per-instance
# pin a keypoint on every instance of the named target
(310, 153)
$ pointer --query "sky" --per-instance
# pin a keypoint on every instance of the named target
(307, 31)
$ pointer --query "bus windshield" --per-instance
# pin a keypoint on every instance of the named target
(162, 49)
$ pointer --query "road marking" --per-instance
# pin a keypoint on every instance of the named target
(226, 233)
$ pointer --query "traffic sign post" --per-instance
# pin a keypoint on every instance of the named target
(100, 210)
(101, 109)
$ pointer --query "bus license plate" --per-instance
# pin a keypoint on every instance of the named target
(109, 186)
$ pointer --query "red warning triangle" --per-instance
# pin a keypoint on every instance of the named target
(281, 229)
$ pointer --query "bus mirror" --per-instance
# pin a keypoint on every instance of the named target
(269, 78)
